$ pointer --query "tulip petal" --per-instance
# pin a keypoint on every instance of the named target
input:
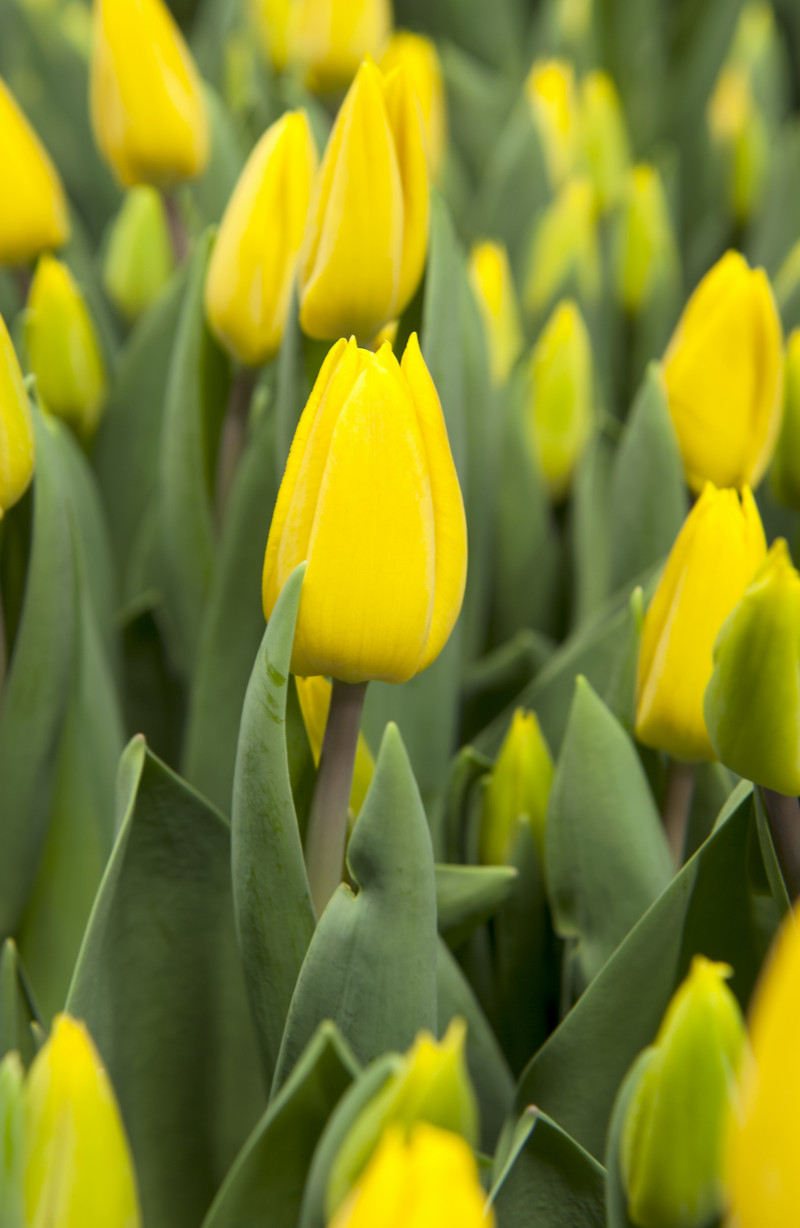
(33, 207)
(406, 124)
(16, 427)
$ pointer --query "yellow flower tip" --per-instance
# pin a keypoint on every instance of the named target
(724, 373)
(314, 695)
(493, 285)
(271, 21)
(517, 792)
(370, 498)
(147, 105)
(561, 399)
(646, 255)
(553, 98)
(33, 207)
(330, 39)
(605, 137)
(418, 55)
(16, 427)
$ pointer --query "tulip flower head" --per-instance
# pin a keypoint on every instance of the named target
(713, 560)
(364, 249)
(518, 790)
(786, 469)
(33, 207)
(724, 375)
(147, 106)
(330, 38)
(645, 249)
(314, 695)
(16, 427)
(419, 57)
(252, 267)
(565, 249)
(270, 19)
(140, 257)
(553, 99)
(370, 498)
(493, 285)
(605, 137)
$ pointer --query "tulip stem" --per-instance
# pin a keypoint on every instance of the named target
(234, 431)
(783, 814)
(3, 648)
(177, 227)
(327, 821)
(678, 795)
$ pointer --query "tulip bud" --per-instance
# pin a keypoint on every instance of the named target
(739, 132)
(140, 257)
(370, 498)
(11, 1139)
(315, 701)
(565, 248)
(419, 57)
(78, 1169)
(271, 19)
(493, 286)
(517, 792)
(147, 106)
(605, 138)
(560, 406)
(250, 275)
(645, 248)
(713, 560)
(429, 1179)
(364, 249)
(550, 90)
(63, 349)
(431, 1085)
(786, 468)
(724, 374)
(674, 1131)
(16, 427)
(33, 207)
(330, 38)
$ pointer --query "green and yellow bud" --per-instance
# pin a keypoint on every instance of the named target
(646, 258)
(251, 272)
(33, 207)
(271, 21)
(314, 695)
(724, 374)
(493, 285)
(63, 348)
(330, 38)
(418, 55)
(553, 99)
(605, 138)
(16, 427)
(786, 466)
(672, 1153)
(370, 498)
(739, 131)
(560, 409)
(565, 251)
(140, 258)
(11, 1141)
(714, 558)
(517, 791)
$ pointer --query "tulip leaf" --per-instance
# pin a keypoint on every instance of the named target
(616, 1197)
(497, 678)
(479, 100)
(159, 984)
(292, 387)
(589, 529)
(274, 913)
(266, 1183)
(467, 895)
(17, 1008)
(772, 865)
(514, 184)
(491, 33)
(371, 964)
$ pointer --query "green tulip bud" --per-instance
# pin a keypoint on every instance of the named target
(140, 257)
(786, 466)
(517, 792)
(565, 250)
(674, 1131)
(645, 249)
(11, 1141)
(605, 137)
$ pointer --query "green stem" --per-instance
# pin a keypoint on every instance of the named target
(783, 814)
(234, 432)
(678, 796)
(177, 227)
(327, 821)
(3, 648)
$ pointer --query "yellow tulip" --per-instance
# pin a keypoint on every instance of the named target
(78, 1168)
(147, 106)
(419, 57)
(330, 38)
(63, 349)
(315, 701)
(711, 564)
(271, 19)
(605, 137)
(252, 267)
(645, 249)
(517, 792)
(786, 469)
(33, 207)
(370, 498)
(553, 99)
(763, 1176)
(366, 238)
(16, 427)
(429, 1180)
(560, 407)
(565, 249)
(724, 374)
(493, 285)
(140, 256)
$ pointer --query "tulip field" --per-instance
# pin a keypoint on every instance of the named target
(399, 618)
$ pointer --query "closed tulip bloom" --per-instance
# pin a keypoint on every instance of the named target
(140, 257)
(565, 250)
(560, 408)
(147, 106)
(78, 1168)
(315, 701)
(517, 792)
(16, 427)
(711, 564)
(419, 57)
(724, 373)
(493, 285)
(249, 282)
(786, 469)
(63, 348)
(646, 255)
(553, 99)
(364, 249)
(271, 20)
(370, 498)
(605, 137)
(33, 207)
(330, 38)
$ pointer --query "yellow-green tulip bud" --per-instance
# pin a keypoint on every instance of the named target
(724, 374)
(786, 468)
(553, 99)
(560, 406)
(11, 1141)
(714, 558)
(315, 701)
(140, 256)
(419, 57)
(739, 130)
(645, 248)
(33, 207)
(429, 1180)
(63, 348)
(432, 1085)
(330, 38)
(673, 1137)
(271, 19)
(517, 791)
(493, 285)
(147, 106)
(16, 427)
(78, 1168)
(250, 275)
(367, 234)
(370, 498)
(752, 704)
(605, 137)
(565, 247)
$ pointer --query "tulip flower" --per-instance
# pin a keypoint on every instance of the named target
(429, 1180)
(271, 20)
(605, 138)
(140, 258)
(78, 1169)
(315, 702)
(16, 427)
(724, 374)
(565, 250)
(645, 248)
(250, 275)
(364, 249)
(553, 99)
(786, 469)
(33, 207)
(560, 407)
(517, 792)
(739, 131)
(147, 106)
(493, 285)
(419, 57)
(711, 564)
(330, 38)
(674, 1132)
(63, 348)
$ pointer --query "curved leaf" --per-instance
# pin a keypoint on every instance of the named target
(616, 1198)
(466, 896)
(17, 1008)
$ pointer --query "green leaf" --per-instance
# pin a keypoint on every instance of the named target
(17, 1008)
(292, 387)
(491, 33)
(466, 896)
(589, 529)
(159, 983)
(497, 678)
(769, 855)
(478, 102)
(514, 185)
(616, 1197)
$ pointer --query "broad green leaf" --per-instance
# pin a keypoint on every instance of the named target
(491, 33)
(467, 895)
(769, 854)
(17, 1007)
(616, 1197)
(514, 185)
(455, 813)
(479, 99)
